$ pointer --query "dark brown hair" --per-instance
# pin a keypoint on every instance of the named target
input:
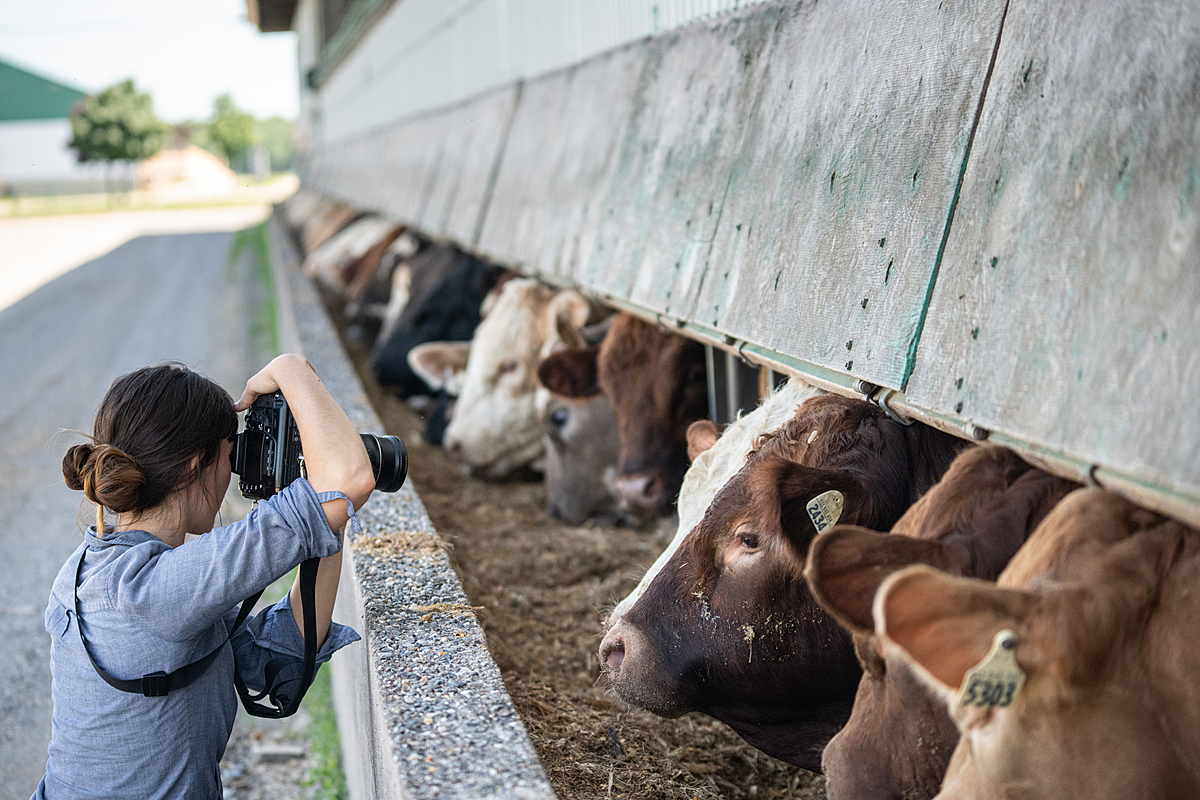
(150, 424)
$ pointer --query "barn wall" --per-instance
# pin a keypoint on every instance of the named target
(423, 54)
(988, 207)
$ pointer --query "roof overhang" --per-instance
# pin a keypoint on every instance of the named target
(271, 16)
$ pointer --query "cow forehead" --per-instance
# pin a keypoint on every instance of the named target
(515, 328)
(630, 344)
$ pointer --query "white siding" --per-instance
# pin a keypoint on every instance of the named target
(425, 54)
(34, 154)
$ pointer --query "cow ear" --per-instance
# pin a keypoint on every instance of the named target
(701, 435)
(440, 364)
(801, 502)
(571, 373)
(945, 624)
(814, 500)
(567, 313)
(847, 565)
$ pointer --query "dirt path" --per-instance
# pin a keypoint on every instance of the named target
(546, 587)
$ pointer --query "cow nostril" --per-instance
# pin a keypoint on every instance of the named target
(614, 656)
(454, 449)
(554, 511)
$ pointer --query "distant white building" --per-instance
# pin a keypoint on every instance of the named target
(35, 131)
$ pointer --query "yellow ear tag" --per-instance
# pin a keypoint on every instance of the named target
(825, 509)
(995, 681)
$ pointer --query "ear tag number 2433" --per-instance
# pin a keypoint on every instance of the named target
(995, 681)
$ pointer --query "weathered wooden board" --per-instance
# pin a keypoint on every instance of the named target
(838, 199)
(561, 151)
(1067, 311)
(471, 138)
(663, 202)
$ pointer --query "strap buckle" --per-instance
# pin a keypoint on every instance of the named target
(155, 684)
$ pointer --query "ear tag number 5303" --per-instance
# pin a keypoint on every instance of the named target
(995, 681)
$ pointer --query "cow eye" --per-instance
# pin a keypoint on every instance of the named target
(750, 541)
(559, 417)
(506, 367)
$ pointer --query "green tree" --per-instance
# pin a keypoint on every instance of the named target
(276, 134)
(232, 130)
(118, 124)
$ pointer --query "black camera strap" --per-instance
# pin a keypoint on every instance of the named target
(282, 703)
(159, 684)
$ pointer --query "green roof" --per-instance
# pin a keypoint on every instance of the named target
(24, 95)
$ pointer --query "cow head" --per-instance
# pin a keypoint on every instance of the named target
(582, 441)
(728, 626)
(899, 737)
(1101, 629)
(495, 429)
(717, 453)
(656, 384)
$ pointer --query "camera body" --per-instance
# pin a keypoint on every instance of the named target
(267, 455)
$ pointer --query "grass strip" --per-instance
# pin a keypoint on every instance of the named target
(264, 326)
(325, 741)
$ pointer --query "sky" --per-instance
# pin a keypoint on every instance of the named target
(183, 53)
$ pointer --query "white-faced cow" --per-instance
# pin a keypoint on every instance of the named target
(495, 429)
(899, 737)
(1089, 690)
(717, 454)
(728, 626)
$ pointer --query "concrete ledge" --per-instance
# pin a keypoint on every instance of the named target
(421, 706)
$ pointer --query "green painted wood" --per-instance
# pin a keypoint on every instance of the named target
(1067, 312)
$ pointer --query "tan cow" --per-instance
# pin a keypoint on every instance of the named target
(495, 428)
(1091, 686)
(898, 739)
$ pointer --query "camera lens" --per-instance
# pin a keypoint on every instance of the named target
(389, 460)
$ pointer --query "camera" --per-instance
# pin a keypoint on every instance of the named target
(267, 455)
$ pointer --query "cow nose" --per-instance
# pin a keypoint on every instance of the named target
(612, 652)
(639, 490)
(454, 449)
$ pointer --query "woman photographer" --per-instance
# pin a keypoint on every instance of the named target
(145, 600)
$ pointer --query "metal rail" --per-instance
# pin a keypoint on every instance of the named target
(1177, 503)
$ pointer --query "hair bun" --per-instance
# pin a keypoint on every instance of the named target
(108, 476)
(73, 464)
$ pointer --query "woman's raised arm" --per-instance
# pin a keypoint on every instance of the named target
(334, 456)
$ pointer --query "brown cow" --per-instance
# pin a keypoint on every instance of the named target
(728, 626)
(899, 737)
(1098, 613)
(656, 384)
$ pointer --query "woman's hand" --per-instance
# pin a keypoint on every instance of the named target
(334, 456)
(266, 380)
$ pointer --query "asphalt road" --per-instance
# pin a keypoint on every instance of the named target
(154, 298)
